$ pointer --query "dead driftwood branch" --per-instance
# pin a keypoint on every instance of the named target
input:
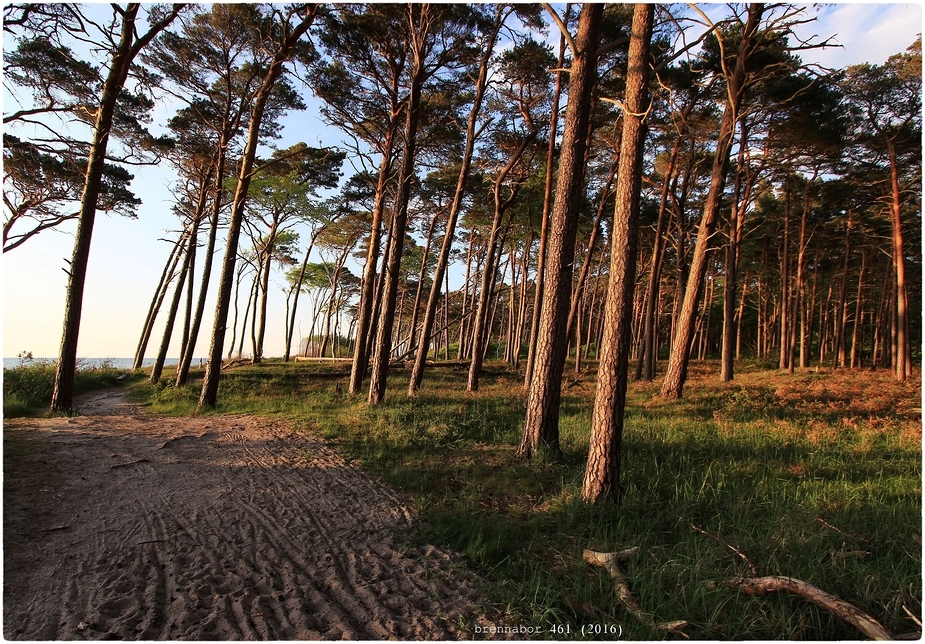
(848, 612)
(611, 561)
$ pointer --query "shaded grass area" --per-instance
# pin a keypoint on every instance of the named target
(27, 388)
(813, 475)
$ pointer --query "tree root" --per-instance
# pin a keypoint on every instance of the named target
(611, 561)
(848, 612)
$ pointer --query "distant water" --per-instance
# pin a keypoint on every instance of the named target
(118, 363)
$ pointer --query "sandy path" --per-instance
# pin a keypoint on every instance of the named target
(124, 526)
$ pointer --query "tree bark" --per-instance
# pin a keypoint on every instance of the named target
(903, 356)
(539, 280)
(383, 344)
(541, 427)
(602, 475)
(676, 373)
(62, 397)
(209, 395)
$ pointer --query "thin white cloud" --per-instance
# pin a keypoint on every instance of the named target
(868, 33)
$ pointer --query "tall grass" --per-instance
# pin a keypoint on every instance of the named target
(27, 388)
(815, 476)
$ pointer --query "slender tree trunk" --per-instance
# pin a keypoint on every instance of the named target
(368, 290)
(186, 360)
(539, 280)
(838, 351)
(209, 394)
(158, 367)
(298, 289)
(737, 214)
(645, 365)
(480, 334)
(602, 475)
(541, 427)
(857, 310)
(383, 348)
(62, 397)
(159, 294)
(903, 338)
(676, 373)
(578, 292)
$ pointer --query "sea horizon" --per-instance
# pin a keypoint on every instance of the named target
(89, 363)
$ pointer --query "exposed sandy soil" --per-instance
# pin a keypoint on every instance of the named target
(119, 525)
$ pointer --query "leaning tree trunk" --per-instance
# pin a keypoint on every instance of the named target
(158, 367)
(383, 344)
(186, 360)
(541, 427)
(420, 358)
(209, 395)
(646, 354)
(602, 475)
(62, 397)
(366, 310)
(480, 334)
(159, 294)
(676, 373)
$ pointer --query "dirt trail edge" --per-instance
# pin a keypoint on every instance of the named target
(119, 525)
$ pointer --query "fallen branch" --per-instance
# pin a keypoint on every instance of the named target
(848, 612)
(611, 561)
(728, 545)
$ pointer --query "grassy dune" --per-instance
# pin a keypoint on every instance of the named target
(815, 476)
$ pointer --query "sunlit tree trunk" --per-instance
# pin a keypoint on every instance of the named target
(128, 47)
(676, 373)
(541, 427)
(602, 475)
(208, 397)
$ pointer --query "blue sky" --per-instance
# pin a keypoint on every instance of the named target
(127, 256)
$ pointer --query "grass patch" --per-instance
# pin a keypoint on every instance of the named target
(811, 475)
(27, 388)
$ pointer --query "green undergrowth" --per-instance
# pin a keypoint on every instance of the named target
(814, 475)
(27, 388)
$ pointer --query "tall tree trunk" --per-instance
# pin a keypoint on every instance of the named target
(737, 214)
(472, 133)
(383, 348)
(903, 356)
(785, 283)
(645, 361)
(541, 427)
(480, 334)
(676, 373)
(413, 326)
(838, 350)
(539, 280)
(602, 475)
(290, 327)
(62, 397)
(208, 397)
(578, 291)
(186, 359)
(857, 310)
(158, 367)
(159, 294)
(368, 291)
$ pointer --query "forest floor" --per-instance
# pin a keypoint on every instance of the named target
(124, 525)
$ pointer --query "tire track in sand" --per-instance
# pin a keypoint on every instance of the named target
(125, 526)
